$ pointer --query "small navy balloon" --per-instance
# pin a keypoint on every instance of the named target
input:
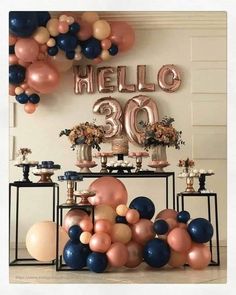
(70, 54)
(97, 262)
(144, 206)
(160, 227)
(23, 23)
(67, 42)
(52, 51)
(156, 253)
(74, 28)
(121, 219)
(74, 233)
(16, 74)
(34, 98)
(183, 216)
(22, 98)
(91, 48)
(113, 50)
(200, 230)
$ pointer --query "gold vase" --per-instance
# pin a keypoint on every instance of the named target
(84, 153)
(189, 182)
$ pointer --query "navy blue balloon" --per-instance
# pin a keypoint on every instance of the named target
(70, 54)
(113, 50)
(34, 98)
(121, 219)
(16, 74)
(91, 48)
(52, 50)
(156, 253)
(200, 230)
(12, 49)
(97, 262)
(23, 23)
(67, 42)
(75, 254)
(43, 18)
(22, 98)
(183, 216)
(74, 233)
(160, 227)
(145, 207)
(74, 28)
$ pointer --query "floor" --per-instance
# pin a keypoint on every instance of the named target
(48, 274)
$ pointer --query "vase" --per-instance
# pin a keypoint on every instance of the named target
(159, 157)
(84, 158)
(189, 182)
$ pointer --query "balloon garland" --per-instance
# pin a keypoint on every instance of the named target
(41, 47)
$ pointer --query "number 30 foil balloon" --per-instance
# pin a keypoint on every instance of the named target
(133, 106)
(111, 108)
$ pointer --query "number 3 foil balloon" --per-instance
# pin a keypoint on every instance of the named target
(133, 106)
(111, 108)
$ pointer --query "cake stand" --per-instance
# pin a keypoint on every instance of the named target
(103, 158)
(202, 181)
(26, 169)
(84, 195)
(139, 158)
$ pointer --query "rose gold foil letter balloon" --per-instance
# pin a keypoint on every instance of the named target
(111, 108)
(169, 78)
(83, 80)
(133, 106)
(141, 80)
(103, 80)
(121, 81)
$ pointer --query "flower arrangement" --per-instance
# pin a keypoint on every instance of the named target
(161, 133)
(23, 152)
(186, 163)
(85, 133)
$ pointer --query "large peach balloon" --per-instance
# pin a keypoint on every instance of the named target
(109, 190)
(101, 29)
(199, 256)
(177, 259)
(90, 17)
(121, 233)
(100, 242)
(41, 240)
(103, 225)
(117, 255)
(167, 213)
(74, 216)
(143, 231)
(122, 35)
(105, 212)
(61, 63)
(179, 240)
(42, 77)
(135, 254)
(27, 49)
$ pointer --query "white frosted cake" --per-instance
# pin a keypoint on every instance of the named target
(120, 145)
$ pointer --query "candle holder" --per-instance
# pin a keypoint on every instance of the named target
(139, 159)
(103, 159)
(84, 195)
(26, 169)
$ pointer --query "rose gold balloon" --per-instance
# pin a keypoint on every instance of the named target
(85, 237)
(29, 108)
(105, 212)
(13, 59)
(167, 213)
(83, 80)
(179, 240)
(122, 35)
(24, 86)
(117, 255)
(132, 108)
(121, 81)
(103, 225)
(12, 40)
(42, 77)
(85, 31)
(63, 27)
(121, 233)
(132, 216)
(29, 91)
(143, 231)
(177, 259)
(103, 79)
(106, 44)
(182, 225)
(121, 209)
(27, 49)
(172, 223)
(111, 108)
(100, 242)
(24, 63)
(135, 254)
(97, 60)
(86, 225)
(169, 78)
(199, 256)
(12, 89)
(141, 79)
(74, 216)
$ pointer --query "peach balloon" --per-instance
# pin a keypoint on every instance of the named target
(51, 42)
(179, 240)
(12, 40)
(199, 256)
(135, 254)
(42, 77)
(85, 31)
(27, 49)
(172, 223)
(182, 225)
(41, 240)
(132, 216)
(12, 89)
(177, 259)
(109, 190)
(90, 17)
(61, 63)
(13, 59)
(117, 255)
(19, 90)
(85, 237)
(100, 242)
(41, 35)
(86, 225)
(106, 44)
(29, 108)
(63, 27)
(143, 231)
(52, 26)
(121, 209)
(103, 225)
(105, 212)
(121, 233)
(101, 29)
(105, 55)
(167, 213)
(74, 216)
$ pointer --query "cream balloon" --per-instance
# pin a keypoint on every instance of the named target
(105, 55)
(52, 26)
(105, 212)
(90, 17)
(121, 233)
(41, 35)
(61, 62)
(101, 29)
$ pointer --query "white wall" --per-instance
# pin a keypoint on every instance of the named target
(199, 109)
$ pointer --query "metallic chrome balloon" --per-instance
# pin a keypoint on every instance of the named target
(141, 80)
(121, 81)
(103, 80)
(163, 75)
(83, 80)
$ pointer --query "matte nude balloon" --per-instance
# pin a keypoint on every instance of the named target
(100, 242)
(167, 213)
(103, 225)
(169, 78)
(121, 209)
(143, 231)
(177, 259)
(90, 17)
(41, 35)
(105, 212)
(199, 256)
(121, 233)
(52, 26)
(179, 240)
(27, 49)
(60, 61)
(101, 29)
(73, 217)
(117, 255)
(135, 254)
(85, 237)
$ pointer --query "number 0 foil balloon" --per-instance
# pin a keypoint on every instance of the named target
(171, 73)
(133, 106)
(111, 108)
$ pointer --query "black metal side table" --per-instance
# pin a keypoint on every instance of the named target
(17, 261)
(208, 196)
(60, 265)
